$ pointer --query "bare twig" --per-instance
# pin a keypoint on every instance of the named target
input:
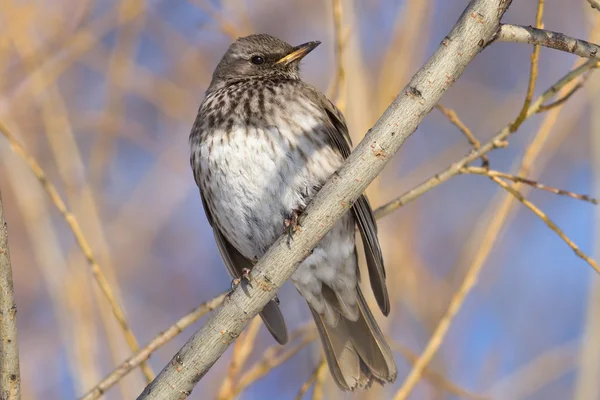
(515, 192)
(453, 117)
(553, 40)
(10, 377)
(145, 352)
(489, 238)
(534, 184)
(312, 378)
(494, 143)
(241, 350)
(476, 27)
(547, 107)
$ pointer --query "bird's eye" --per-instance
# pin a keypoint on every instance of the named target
(257, 60)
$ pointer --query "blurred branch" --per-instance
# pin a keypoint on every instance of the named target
(587, 362)
(241, 350)
(489, 237)
(488, 240)
(79, 236)
(338, 88)
(10, 377)
(535, 374)
(594, 4)
(319, 382)
(144, 353)
(436, 378)
(513, 191)
(76, 45)
(496, 142)
(534, 184)
(225, 25)
(274, 356)
(453, 117)
(312, 378)
(553, 40)
(476, 27)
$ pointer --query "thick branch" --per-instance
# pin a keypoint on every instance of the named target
(553, 40)
(475, 28)
(10, 379)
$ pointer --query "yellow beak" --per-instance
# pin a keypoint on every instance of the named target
(298, 52)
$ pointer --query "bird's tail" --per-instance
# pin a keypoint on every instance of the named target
(356, 351)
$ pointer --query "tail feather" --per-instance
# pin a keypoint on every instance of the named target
(356, 351)
(273, 320)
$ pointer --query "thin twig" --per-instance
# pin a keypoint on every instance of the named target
(312, 378)
(492, 144)
(515, 192)
(534, 184)
(10, 377)
(338, 88)
(535, 56)
(145, 352)
(553, 40)
(453, 117)
(547, 107)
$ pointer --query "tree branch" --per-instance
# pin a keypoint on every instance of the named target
(10, 378)
(497, 141)
(476, 27)
(553, 40)
(144, 353)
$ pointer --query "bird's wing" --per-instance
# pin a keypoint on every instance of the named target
(235, 263)
(363, 214)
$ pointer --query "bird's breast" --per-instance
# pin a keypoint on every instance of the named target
(255, 176)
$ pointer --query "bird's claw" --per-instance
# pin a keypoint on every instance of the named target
(292, 224)
(246, 274)
(245, 277)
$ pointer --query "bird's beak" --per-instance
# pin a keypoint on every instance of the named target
(298, 52)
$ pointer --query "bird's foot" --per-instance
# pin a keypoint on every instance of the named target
(245, 277)
(292, 224)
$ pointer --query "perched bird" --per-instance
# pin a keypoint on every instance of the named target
(263, 143)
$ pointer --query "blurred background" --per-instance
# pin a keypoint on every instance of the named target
(103, 94)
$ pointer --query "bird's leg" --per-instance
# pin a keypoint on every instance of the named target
(246, 274)
(245, 277)
(292, 224)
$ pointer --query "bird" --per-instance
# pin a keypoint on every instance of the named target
(262, 145)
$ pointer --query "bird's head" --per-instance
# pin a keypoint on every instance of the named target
(257, 56)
